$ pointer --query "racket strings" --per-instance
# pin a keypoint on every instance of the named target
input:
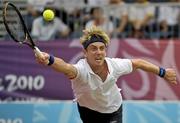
(14, 24)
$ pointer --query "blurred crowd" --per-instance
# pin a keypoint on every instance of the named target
(119, 18)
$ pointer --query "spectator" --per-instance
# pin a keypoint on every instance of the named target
(72, 6)
(95, 3)
(49, 30)
(33, 12)
(178, 22)
(37, 4)
(99, 20)
(119, 15)
(141, 17)
(168, 19)
(90, 4)
(74, 10)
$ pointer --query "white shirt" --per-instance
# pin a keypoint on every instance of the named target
(169, 14)
(98, 2)
(71, 5)
(106, 26)
(118, 10)
(94, 94)
(37, 4)
(44, 31)
(138, 13)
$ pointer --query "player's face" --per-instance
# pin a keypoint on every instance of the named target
(95, 53)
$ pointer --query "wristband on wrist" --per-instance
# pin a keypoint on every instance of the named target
(51, 60)
(162, 72)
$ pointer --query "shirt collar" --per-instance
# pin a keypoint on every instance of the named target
(91, 71)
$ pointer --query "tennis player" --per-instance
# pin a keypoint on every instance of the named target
(94, 78)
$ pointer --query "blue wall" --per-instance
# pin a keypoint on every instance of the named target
(66, 112)
(151, 112)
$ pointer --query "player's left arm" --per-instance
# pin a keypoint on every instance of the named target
(168, 74)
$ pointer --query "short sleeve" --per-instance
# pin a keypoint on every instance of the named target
(80, 70)
(122, 66)
(150, 11)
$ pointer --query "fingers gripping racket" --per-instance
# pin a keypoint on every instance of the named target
(16, 27)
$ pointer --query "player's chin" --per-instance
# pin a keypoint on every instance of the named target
(99, 62)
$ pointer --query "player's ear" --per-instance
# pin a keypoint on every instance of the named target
(106, 52)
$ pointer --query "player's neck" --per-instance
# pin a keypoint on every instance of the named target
(99, 68)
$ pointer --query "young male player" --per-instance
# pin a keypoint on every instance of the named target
(94, 77)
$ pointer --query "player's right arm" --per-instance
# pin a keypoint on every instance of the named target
(59, 65)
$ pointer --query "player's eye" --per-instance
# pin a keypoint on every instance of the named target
(102, 48)
(94, 49)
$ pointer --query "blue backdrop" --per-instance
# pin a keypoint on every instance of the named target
(66, 112)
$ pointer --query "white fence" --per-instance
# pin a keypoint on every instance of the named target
(77, 23)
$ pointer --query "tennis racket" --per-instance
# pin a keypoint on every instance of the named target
(16, 27)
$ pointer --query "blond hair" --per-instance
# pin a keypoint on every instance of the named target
(94, 31)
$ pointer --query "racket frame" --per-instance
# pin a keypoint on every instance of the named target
(26, 32)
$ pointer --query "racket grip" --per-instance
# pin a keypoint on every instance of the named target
(38, 52)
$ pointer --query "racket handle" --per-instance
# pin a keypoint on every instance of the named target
(38, 52)
(40, 55)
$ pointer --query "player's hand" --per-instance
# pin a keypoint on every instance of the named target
(170, 76)
(43, 59)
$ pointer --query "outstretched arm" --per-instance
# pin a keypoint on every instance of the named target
(168, 74)
(58, 64)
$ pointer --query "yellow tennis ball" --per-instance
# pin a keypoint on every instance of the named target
(48, 15)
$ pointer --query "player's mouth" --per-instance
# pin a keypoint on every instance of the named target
(98, 59)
